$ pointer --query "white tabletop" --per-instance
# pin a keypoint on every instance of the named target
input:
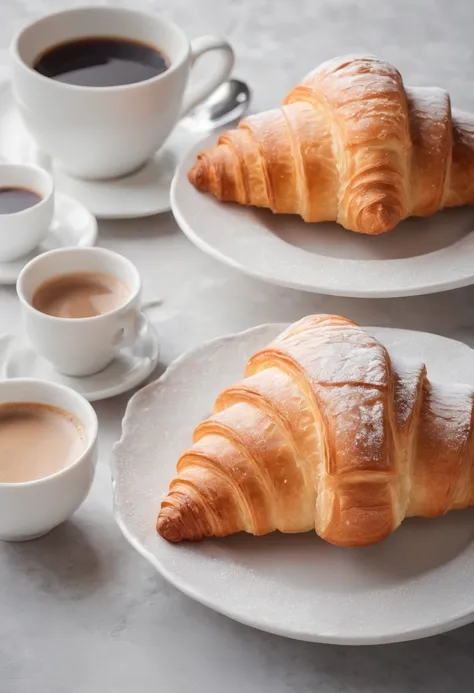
(80, 611)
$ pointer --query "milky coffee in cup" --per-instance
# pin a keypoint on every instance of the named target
(80, 295)
(37, 440)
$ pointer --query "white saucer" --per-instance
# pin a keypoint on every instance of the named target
(19, 360)
(420, 256)
(72, 226)
(416, 583)
(141, 194)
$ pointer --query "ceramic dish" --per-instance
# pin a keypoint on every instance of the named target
(420, 256)
(416, 583)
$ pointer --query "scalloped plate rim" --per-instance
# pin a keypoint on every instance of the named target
(456, 621)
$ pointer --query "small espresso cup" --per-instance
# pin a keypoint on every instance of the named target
(81, 346)
(106, 132)
(22, 231)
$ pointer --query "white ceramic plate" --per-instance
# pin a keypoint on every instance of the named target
(416, 583)
(420, 256)
(132, 366)
(72, 227)
(141, 194)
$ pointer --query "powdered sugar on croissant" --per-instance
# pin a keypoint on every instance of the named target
(350, 144)
(325, 433)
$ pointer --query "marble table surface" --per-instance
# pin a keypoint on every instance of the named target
(80, 611)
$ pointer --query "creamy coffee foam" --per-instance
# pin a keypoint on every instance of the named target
(37, 440)
(80, 295)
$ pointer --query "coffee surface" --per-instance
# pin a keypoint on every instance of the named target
(101, 62)
(37, 440)
(80, 295)
(17, 199)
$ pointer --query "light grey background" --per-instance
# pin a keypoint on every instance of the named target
(80, 612)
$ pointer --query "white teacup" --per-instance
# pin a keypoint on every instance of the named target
(81, 346)
(21, 232)
(105, 132)
(29, 509)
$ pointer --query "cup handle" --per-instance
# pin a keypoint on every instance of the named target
(133, 327)
(204, 88)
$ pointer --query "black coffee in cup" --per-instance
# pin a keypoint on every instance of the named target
(101, 61)
(14, 199)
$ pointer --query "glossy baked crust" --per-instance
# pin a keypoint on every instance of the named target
(350, 144)
(325, 433)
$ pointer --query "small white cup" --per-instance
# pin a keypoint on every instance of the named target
(30, 509)
(105, 132)
(81, 346)
(21, 232)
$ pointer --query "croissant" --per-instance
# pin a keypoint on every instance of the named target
(326, 433)
(350, 144)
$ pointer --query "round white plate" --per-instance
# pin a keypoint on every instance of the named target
(420, 256)
(72, 226)
(141, 194)
(132, 366)
(416, 583)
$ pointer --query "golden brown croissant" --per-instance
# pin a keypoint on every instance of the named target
(325, 433)
(350, 144)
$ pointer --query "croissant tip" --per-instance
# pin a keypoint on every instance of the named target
(174, 526)
(168, 529)
(198, 175)
(377, 218)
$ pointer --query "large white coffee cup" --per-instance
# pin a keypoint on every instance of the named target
(81, 346)
(29, 509)
(105, 132)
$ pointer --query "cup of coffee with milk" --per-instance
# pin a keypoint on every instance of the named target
(81, 306)
(48, 454)
(101, 88)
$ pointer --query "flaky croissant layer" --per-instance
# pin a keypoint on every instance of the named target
(350, 144)
(326, 433)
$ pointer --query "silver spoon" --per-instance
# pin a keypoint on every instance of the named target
(229, 102)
